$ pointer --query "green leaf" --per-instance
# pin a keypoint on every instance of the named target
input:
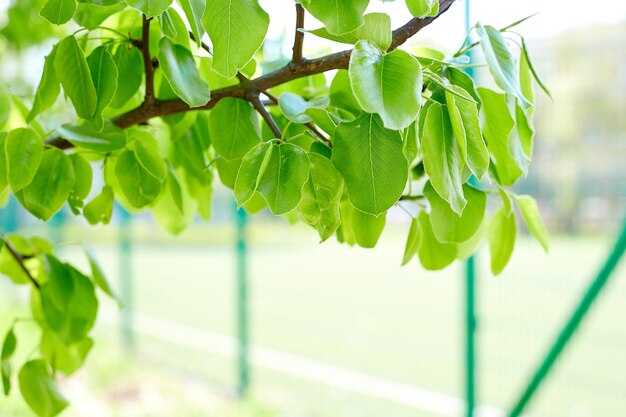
(387, 84)
(91, 15)
(530, 212)
(48, 89)
(500, 61)
(282, 180)
(83, 175)
(442, 157)
(433, 254)
(73, 72)
(371, 161)
(501, 235)
(130, 64)
(151, 8)
(194, 9)
(339, 17)
(237, 29)
(5, 106)
(412, 242)
(180, 70)
(497, 127)
(3, 163)
(40, 390)
(234, 128)
(252, 167)
(423, 8)
(321, 196)
(341, 94)
(367, 228)
(466, 129)
(109, 139)
(64, 358)
(527, 61)
(104, 76)
(376, 28)
(51, 187)
(58, 11)
(100, 209)
(68, 302)
(98, 276)
(8, 348)
(141, 174)
(23, 151)
(447, 225)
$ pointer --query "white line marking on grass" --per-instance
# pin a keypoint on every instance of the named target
(330, 375)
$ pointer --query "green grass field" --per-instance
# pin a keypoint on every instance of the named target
(357, 309)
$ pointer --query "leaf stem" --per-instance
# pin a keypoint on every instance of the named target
(256, 103)
(19, 258)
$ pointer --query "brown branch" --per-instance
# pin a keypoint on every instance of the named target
(305, 68)
(147, 61)
(299, 36)
(19, 258)
(254, 99)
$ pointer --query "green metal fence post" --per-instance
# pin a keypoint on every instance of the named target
(572, 324)
(470, 301)
(126, 277)
(242, 303)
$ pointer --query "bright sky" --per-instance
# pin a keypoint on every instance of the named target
(555, 16)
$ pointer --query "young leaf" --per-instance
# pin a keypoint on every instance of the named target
(466, 129)
(83, 175)
(180, 70)
(501, 235)
(530, 212)
(98, 276)
(40, 390)
(294, 107)
(376, 28)
(23, 151)
(367, 228)
(321, 196)
(64, 358)
(109, 139)
(423, 8)
(442, 157)
(412, 242)
(58, 11)
(234, 128)
(51, 187)
(100, 209)
(104, 76)
(48, 89)
(5, 106)
(371, 161)
(526, 58)
(501, 62)
(282, 180)
(151, 8)
(237, 29)
(339, 17)
(433, 254)
(73, 72)
(447, 225)
(387, 84)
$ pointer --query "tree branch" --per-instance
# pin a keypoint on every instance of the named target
(299, 36)
(304, 68)
(19, 258)
(147, 61)
(256, 102)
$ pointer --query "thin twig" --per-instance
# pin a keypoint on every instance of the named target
(147, 61)
(254, 99)
(299, 36)
(290, 72)
(19, 258)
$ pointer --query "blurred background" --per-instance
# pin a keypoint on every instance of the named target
(330, 330)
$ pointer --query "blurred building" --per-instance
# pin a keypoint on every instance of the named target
(579, 166)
